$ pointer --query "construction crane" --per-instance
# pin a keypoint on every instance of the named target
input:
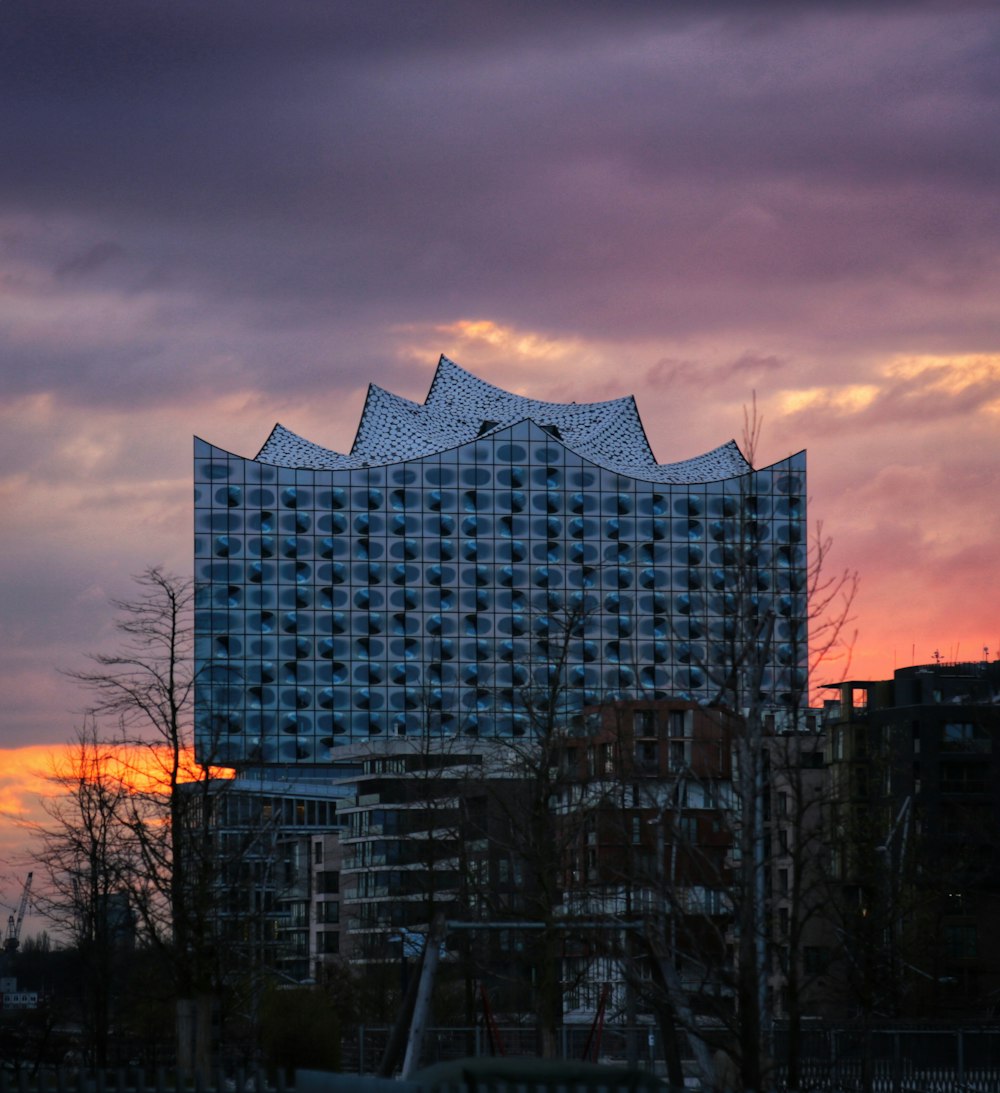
(13, 938)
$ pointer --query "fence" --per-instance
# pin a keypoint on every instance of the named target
(906, 1060)
(834, 1060)
(66, 1079)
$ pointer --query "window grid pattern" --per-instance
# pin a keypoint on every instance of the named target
(444, 594)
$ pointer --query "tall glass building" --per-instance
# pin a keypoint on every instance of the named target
(476, 557)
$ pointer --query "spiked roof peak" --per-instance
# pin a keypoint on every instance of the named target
(461, 407)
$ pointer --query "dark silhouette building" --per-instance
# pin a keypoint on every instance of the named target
(915, 806)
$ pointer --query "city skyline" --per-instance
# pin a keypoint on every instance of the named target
(213, 220)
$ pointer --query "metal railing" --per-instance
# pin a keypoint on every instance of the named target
(919, 1059)
(74, 1079)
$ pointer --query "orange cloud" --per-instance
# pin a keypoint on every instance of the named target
(948, 375)
(24, 782)
(520, 354)
(848, 399)
(22, 777)
(29, 775)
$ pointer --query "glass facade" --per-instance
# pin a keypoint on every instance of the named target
(444, 592)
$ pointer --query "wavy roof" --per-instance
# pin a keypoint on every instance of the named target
(461, 407)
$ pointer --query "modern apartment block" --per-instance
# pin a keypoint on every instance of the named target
(406, 839)
(801, 939)
(649, 819)
(915, 822)
(278, 866)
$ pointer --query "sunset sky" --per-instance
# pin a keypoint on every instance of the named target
(215, 216)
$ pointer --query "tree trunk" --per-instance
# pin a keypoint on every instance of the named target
(671, 1047)
(679, 1003)
(794, 1030)
(549, 995)
(194, 1036)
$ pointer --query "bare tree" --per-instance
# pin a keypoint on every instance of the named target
(659, 862)
(147, 686)
(530, 830)
(797, 794)
(763, 623)
(90, 857)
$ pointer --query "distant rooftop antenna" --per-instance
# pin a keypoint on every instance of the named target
(937, 656)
